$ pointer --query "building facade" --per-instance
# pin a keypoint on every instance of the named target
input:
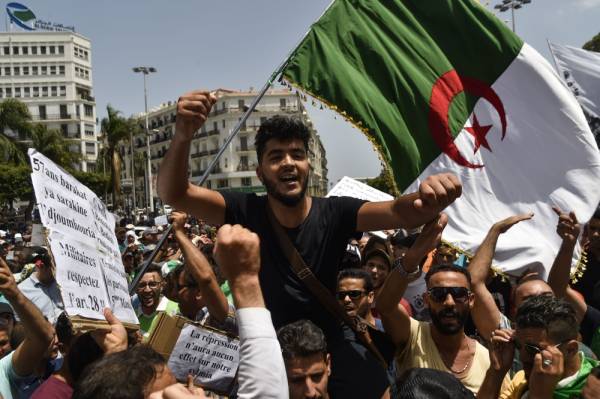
(51, 72)
(236, 167)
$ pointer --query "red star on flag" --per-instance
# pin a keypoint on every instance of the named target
(479, 132)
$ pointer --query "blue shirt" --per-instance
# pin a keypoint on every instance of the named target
(11, 384)
(46, 297)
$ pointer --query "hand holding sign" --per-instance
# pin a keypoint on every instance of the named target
(113, 340)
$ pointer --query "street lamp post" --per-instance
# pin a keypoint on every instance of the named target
(511, 5)
(145, 70)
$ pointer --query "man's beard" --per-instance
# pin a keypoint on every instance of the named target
(287, 200)
(449, 329)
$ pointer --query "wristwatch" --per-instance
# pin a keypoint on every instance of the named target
(399, 267)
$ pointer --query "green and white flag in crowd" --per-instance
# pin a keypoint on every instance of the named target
(444, 86)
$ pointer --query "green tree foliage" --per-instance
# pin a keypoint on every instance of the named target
(384, 182)
(116, 130)
(97, 182)
(593, 44)
(15, 183)
(15, 125)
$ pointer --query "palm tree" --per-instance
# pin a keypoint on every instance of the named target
(115, 130)
(14, 116)
(53, 145)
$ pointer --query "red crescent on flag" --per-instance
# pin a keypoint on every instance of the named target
(444, 90)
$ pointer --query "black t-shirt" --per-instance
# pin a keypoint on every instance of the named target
(589, 325)
(587, 283)
(321, 241)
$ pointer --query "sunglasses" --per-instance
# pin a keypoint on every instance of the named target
(533, 350)
(459, 294)
(352, 294)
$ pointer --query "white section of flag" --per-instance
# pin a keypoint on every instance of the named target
(548, 157)
(580, 69)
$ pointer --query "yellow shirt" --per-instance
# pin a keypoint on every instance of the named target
(420, 351)
(516, 388)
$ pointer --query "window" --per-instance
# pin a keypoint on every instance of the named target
(17, 92)
(54, 91)
(61, 49)
(24, 50)
(6, 71)
(34, 50)
(44, 91)
(64, 129)
(36, 91)
(1, 92)
(90, 148)
(222, 183)
(61, 70)
(246, 181)
(85, 54)
(8, 92)
(240, 104)
(15, 50)
(53, 70)
(63, 92)
(27, 92)
(89, 129)
(44, 70)
(63, 111)
(88, 110)
(34, 70)
(17, 71)
(52, 50)
(42, 111)
(6, 50)
(223, 123)
(42, 49)
(25, 70)
(282, 102)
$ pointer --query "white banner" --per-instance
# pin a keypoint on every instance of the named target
(212, 358)
(349, 187)
(89, 270)
(580, 70)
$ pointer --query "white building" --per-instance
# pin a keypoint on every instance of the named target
(236, 168)
(51, 72)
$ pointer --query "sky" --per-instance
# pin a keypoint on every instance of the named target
(237, 44)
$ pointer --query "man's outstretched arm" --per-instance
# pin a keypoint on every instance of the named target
(568, 229)
(38, 332)
(198, 266)
(395, 319)
(485, 313)
(411, 210)
(174, 187)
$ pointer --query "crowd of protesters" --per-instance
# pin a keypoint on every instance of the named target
(418, 318)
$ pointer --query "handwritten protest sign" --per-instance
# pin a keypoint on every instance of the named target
(89, 270)
(211, 357)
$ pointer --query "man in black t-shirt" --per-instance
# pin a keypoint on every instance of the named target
(318, 227)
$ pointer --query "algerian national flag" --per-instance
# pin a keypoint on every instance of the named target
(444, 86)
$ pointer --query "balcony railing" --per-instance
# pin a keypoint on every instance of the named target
(51, 117)
(199, 154)
(244, 148)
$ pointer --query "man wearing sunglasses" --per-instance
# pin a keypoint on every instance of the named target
(546, 338)
(356, 294)
(441, 344)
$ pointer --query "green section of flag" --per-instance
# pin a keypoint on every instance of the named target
(24, 15)
(376, 63)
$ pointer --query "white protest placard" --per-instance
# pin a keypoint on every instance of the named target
(211, 357)
(161, 220)
(37, 235)
(89, 270)
(79, 276)
(349, 187)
